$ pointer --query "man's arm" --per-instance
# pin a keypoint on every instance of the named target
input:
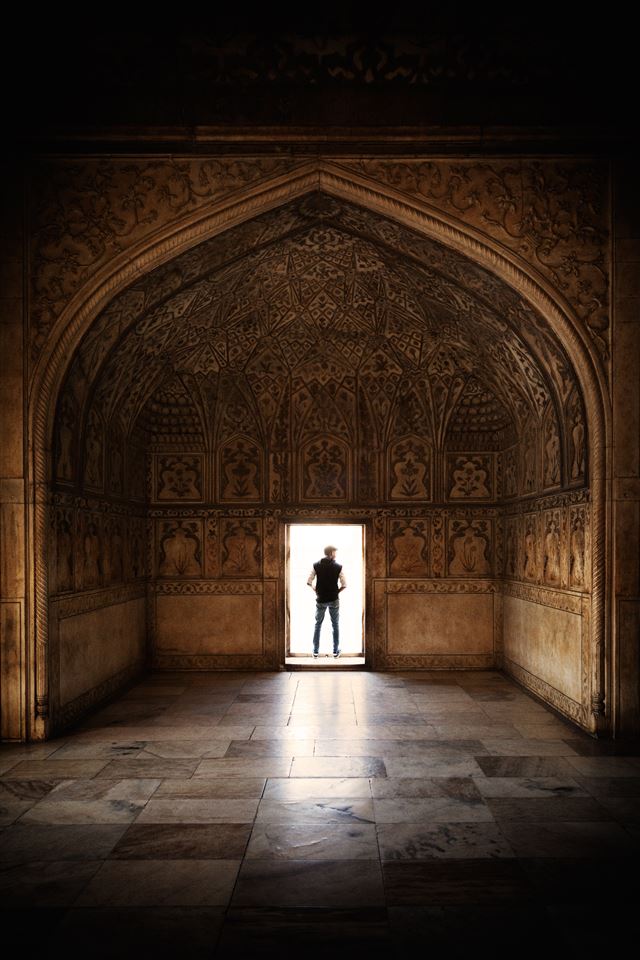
(343, 582)
(311, 578)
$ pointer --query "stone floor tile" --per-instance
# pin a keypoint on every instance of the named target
(610, 786)
(303, 788)
(148, 769)
(135, 791)
(453, 881)
(338, 767)
(324, 810)
(27, 842)
(82, 811)
(12, 810)
(183, 841)
(313, 841)
(338, 883)
(172, 883)
(521, 747)
(460, 788)
(529, 787)
(188, 810)
(568, 839)
(401, 767)
(278, 747)
(46, 883)
(100, 750)
(623, 809)
(234, 788)
(527, 767)
(438, 841)
(430, 810)
(12, 790)
(54, 769)
(604, 766)
(245, 767)
(547, 808)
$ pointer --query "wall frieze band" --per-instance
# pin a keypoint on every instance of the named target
(558, 599)
(563, 704)
(96, 600)
(193, 588)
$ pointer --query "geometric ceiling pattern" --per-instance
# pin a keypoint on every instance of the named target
(316, 302)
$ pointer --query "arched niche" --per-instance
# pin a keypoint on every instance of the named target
(456, 273)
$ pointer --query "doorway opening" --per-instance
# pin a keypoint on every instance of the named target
(305, 545)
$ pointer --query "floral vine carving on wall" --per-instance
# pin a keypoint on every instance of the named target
(553, 213)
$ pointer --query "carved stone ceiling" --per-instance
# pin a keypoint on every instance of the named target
(321, 292)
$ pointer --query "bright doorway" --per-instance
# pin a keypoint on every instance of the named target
(306, 543)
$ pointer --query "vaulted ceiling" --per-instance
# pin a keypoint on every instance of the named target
(320, 299)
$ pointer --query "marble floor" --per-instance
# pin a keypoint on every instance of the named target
(290, 814)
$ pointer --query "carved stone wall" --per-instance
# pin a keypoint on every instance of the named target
(321, 361)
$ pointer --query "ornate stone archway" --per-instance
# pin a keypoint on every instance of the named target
(336, 182)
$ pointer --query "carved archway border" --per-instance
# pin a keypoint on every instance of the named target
(236, 208)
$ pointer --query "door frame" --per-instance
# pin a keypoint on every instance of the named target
(367, 586)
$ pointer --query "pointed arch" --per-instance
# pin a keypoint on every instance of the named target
(170, 241)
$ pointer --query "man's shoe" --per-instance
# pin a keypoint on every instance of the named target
(337, 653)
(315, 656)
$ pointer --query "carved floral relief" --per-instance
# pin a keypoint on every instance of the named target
(325, 470)
(470, 476)
(408, 548)
(180, 548)
(240, 471)
(241, 548)
(469, 548)
(179, 478)
(409, 470)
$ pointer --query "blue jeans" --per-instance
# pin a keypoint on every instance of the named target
(334, 613)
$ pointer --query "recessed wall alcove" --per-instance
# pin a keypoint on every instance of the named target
(331, 359)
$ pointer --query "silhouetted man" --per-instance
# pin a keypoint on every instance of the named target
(329, 582)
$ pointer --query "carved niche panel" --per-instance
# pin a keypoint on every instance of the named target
(66, 439)
(324, 469)
(241, 548)
(530, 550)
(552, 548)
(179, 477)
(90, 552)
(408, 548)
(576, 435)
(511, 548)
(528, 460)
(136, 548)
(579, 548)
(509, 472)
(63, 540)
(470, 547)
(240, 471)
(551, 465)
(94, 452)
(113, 558)
(410, 470)
(115, 461)
(179, 548)
(470, 476)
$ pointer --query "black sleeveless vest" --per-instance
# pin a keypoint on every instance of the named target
(327, 573)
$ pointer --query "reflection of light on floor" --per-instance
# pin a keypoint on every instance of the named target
(306, 545)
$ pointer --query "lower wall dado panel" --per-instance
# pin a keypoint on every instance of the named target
(208, 625)
(95, 645)
(435, 624)
(545, 639)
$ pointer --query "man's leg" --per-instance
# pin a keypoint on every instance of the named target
(334, 613)
(321, 609)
